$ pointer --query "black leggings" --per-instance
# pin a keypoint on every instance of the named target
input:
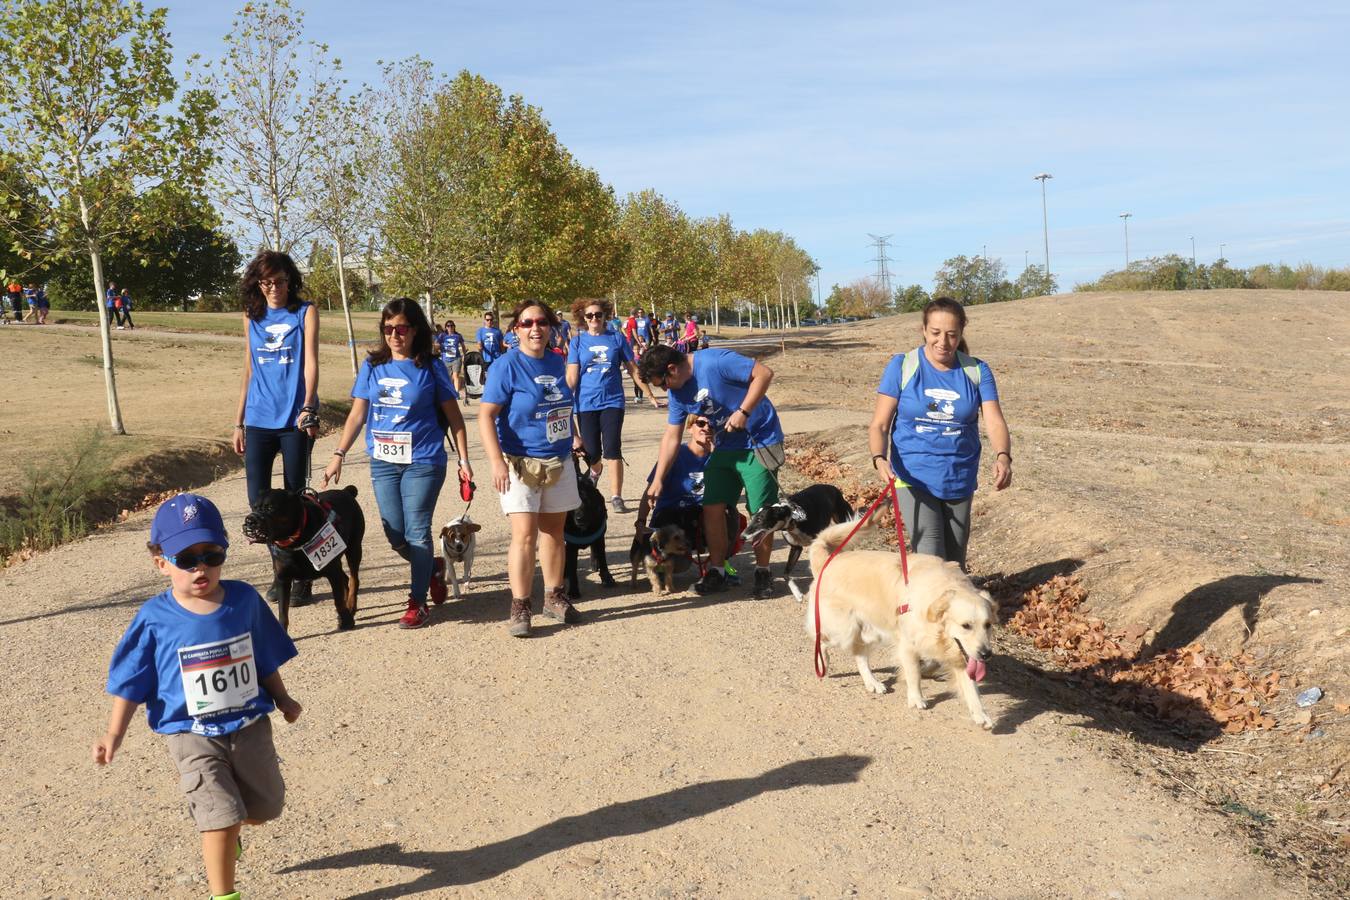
(261, 446)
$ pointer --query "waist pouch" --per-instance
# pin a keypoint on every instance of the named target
(533, 472)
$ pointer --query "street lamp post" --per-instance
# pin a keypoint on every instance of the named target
(1192, 252)
(1045, 219)
(1221, 252)
(1126, 218)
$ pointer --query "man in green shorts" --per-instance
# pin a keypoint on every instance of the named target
(729, 390)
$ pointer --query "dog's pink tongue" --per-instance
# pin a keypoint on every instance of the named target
(975, 669)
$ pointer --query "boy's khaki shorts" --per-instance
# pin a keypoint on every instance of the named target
(229, 779)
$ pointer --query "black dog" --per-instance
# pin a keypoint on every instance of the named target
(585, 527)
(289, 522)
(800, 517)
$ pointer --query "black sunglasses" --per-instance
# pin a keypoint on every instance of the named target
(400, 330)
(701, 423)
(598, 315)
(190, 560)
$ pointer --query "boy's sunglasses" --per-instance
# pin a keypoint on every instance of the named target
(400, 330)
(530, 323)
(598, 315)
(190, 560)
(701, 423)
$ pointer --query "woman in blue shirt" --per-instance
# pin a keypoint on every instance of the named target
(927, 415)
(525, 420)
(451, 345)
(596, 360)
(404, 400)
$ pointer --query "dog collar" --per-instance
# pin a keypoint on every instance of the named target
(902, 609)
(305, 503)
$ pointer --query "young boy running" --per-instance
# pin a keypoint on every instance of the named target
(204, 657)
(729, 391)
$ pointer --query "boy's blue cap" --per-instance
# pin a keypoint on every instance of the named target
(186, 520)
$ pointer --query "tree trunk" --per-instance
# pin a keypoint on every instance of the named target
(105, 334)
(346, 309)
(431, 311)
(717, 314)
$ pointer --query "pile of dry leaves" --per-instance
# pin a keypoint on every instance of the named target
(1188, 688)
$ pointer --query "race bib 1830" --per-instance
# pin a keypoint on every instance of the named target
(218, 676)
(558, 424)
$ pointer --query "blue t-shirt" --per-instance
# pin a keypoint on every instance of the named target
(536, 404)
(511, 340)
(562, 334)
(683, 486)
(126, 301)
(452, 347)
(403, 399)
(715, 390)
(601, 358)
(491, 341)
(644, 328)
(276, 387)
(936, 436)
(108, 298)
(224, 656)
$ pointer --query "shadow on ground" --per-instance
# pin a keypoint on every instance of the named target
(450, 868)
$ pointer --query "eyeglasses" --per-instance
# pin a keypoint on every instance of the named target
(268, 283)
(400, 330)
(660, 380)
(488, 319)
(594, 315)
(530, 323)
(191, 560)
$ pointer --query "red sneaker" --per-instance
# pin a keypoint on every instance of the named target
(438, 580)
(416, 615)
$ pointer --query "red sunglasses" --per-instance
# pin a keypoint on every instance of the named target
(400, 330)
(530, 323)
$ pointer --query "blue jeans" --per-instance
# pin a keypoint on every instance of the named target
(407, 499)
(261, 446)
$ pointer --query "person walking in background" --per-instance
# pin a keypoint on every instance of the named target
(110, 302)
(525, 423)
(596, 361)
(729, 390)
(44, 306)
(930, 400)
(491, 343)
(126, 309)
(14, 294)
(278, 410)
(629, 329)
(690, 340)
(400, 397)
(451, 345)
(670, 330)
(643, 329)
(562, 335)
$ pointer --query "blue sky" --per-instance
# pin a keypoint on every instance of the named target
(1222, 121)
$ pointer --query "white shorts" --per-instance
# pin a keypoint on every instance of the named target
(562, 496)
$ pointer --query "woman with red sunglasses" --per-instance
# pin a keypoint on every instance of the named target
(525, 420)
(404, 399)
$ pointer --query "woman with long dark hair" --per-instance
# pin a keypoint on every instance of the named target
(525, 422)
(927, 415)
(404, 399)
(278, 409)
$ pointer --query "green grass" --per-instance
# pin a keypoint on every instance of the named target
(49, 508)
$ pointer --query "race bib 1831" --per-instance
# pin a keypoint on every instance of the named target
(392, 447)
(218, 676)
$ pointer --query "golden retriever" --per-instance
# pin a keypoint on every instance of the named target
(948, 620)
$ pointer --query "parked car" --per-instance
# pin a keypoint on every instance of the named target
(810, 322)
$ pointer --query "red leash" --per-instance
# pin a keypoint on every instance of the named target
(904, 562)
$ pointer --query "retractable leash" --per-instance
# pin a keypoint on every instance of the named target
(903, 608)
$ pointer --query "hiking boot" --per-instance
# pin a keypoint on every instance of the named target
(557, 606)
(616, 504)
(713, 582)
(415, 616)
(519, 619)
(302, 593)
(763, 584)
(438, 580)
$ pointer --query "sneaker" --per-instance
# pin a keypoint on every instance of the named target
(733, 577)
(714, 582)
(121, 327)
(302, 593)
(557, 606)
(438, 580)
(763, 584)
(415, 616)
(616, 504)
(519, 619)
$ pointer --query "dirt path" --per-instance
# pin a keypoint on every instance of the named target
(668, 747)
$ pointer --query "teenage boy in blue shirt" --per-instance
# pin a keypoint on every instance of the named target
(204, 657)
(728, 390)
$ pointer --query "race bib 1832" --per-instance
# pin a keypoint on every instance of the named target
(324, 547)
(218, 676)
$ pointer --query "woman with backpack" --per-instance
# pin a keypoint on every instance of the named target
(927, 415)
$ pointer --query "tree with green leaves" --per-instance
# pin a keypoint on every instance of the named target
(85, 97)
(273, 87)
(667, 264)
(1033, 282)
(972, 280)
(324, 284)
(911, 299)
